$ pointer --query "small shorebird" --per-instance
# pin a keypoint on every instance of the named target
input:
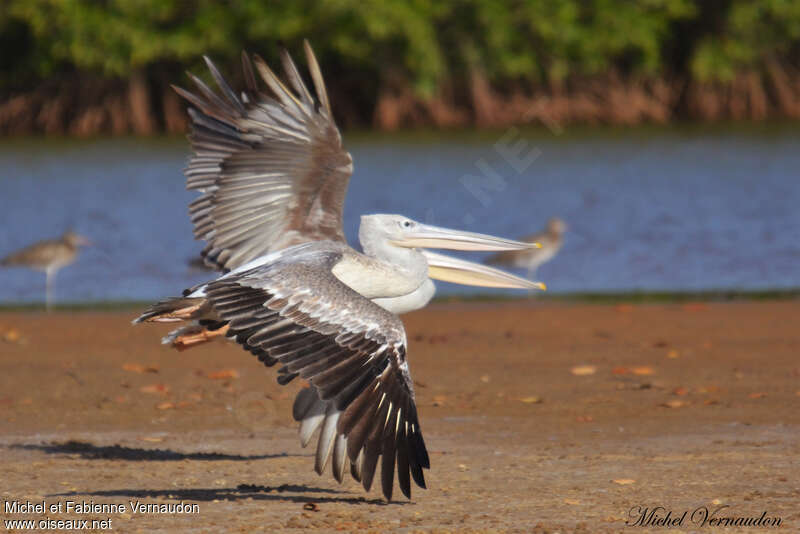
(49, 256)
(273, 176)
(551, 240)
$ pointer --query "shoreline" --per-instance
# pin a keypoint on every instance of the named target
(87, 105)
(610, 297)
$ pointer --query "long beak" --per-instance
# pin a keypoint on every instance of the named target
(427, 236)
(448, 269)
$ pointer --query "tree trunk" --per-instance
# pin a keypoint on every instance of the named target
(174, 115)
(483, 101)
(788, 103)
(139, 100)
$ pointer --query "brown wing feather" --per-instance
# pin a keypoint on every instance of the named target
(350, 350)
(271, 169)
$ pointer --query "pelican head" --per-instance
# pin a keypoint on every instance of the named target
(400, 231)
(394, 236)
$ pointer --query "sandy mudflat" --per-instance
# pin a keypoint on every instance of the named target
(540, 417)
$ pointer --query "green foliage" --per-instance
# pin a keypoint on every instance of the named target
(554, 40)
(421, 42)
(750, 33)
(116, 36)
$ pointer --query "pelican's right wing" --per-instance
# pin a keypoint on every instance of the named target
(353, 352)
(272, 169)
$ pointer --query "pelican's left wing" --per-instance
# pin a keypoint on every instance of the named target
(353, 352)
(271, 169)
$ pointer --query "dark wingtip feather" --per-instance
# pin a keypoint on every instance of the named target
(223, 85)
(354, 472)
(190, 97)
(284, 379)
(272, 80)
(388, 455)
(422, 451)
(403, 467)
(387, 472)
(418, 475)
(303, 402)
(249, 75)
(368, 466)
(181, 91)
(293, 75)
(316, 76)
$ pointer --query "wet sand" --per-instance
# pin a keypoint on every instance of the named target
(540, 417)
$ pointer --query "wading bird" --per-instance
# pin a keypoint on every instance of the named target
(49, 256)
(551, 240)
(273, 176)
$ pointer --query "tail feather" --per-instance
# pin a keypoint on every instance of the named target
(174, 309)
(204, 325)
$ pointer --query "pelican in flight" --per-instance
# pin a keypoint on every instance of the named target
(273, 175)
(551, 241)
(49, 256)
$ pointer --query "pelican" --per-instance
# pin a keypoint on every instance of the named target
(273, 174)
(49, 256)
(551, 241)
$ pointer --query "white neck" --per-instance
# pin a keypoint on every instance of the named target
(385, 270)
(415, 300)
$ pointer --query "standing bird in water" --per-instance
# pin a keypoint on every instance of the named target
(273, 176)
(551, 240)
(48, 256)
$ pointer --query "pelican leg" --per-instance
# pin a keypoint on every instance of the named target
(195, 337)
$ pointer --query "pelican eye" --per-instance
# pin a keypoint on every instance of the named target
(407, 224)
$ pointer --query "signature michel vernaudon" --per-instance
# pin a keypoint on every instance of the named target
(702, 516)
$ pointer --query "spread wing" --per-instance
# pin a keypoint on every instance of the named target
(271, 169)
(295, 312)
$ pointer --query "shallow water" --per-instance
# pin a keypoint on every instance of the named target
(647, 209)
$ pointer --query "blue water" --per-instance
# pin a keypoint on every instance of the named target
(647, 210)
